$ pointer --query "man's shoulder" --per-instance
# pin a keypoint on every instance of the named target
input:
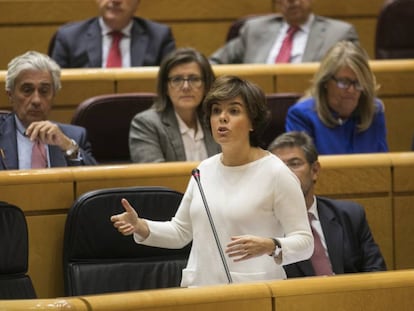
(331, 22)
(77, 26)
(150, 24)
(340, 206)
(253, 20)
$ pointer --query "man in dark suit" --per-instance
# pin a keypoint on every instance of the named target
(342, 225)
(32, 81)
(87, 43)
(261, 38)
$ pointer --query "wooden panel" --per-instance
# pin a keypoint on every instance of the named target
(403, 209)
(33, 194)
(403, 165)
(240, 297)
(399, 122)
(45, 11)
(62, 115)
(377, 291)
(174, 175)
(20, 39)
(45, 249)
(404, 232)
(167, 10)
(45, 304)
(354, 174)
(347, 8)
(206, 36)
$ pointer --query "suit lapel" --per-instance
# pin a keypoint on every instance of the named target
(270, 30)
(139, 43)
(8, 142)
(170, 121)
(315, 40)
(94, 40)
(333, 233)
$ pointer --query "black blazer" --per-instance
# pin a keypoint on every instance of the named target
(79, 44)
(351, 246)
(8, 143)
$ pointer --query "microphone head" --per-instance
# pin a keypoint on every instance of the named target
(196, 173)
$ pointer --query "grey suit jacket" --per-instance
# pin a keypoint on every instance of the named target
(351, 246)
(79, 44)
(155, 137)
(258, 35)
(8, 143)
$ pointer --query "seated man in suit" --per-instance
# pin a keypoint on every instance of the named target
(341, 228)
(114, 39)
(296, 35)
(27, 138)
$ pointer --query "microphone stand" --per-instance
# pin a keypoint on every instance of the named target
(196, 175)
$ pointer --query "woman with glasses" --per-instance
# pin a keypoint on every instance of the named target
(172, 129)
(340, 111)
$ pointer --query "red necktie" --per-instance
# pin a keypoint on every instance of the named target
(320, 261)
(286, 48)
(39, 159)
(114, 56)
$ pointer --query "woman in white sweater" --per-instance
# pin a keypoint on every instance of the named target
(255, 201)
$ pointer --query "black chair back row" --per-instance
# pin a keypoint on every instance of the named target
(98, 259)
(15, 283)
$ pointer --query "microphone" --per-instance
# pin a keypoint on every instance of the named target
(196, 175)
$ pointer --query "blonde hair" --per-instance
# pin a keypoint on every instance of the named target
(345, 54)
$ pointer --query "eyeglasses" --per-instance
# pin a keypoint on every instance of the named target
(344, 83)
(178, 81)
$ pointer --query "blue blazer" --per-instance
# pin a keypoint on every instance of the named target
(351, 246)
(8, 143)
(79, 44)
(341, 139)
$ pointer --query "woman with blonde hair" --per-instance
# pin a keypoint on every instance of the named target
(341, 111)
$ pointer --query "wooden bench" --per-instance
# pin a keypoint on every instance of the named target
(378, 291)
(381, 182)
(203, 26)
(394, 76)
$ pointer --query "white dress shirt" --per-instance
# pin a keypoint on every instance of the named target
(124, 45)
(299, 42)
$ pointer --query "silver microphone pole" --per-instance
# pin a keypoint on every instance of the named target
(196, 175)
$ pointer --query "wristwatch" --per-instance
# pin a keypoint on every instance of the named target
(73, 151)
(278, 248)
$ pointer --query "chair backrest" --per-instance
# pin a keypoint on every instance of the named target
(395, 30)
(279, 104)
(15, 283)
(98, 259)
(107, 120)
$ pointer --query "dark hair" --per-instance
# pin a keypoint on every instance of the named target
(296, 139)
(175, 58)
(228, 87)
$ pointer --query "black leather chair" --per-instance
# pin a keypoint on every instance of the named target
(279, 104)
(15, 283)
(395, 30)
(107, 119)
(98, 259)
